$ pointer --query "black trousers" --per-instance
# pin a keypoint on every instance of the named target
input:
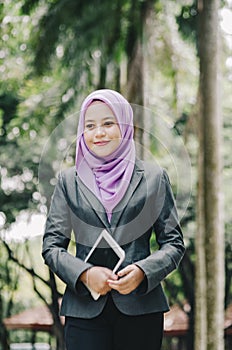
(112, 330)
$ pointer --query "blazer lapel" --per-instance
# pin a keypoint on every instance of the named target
(94, 202)
(135, 180)
(97, 206)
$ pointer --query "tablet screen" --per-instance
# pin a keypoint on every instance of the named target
(104, 256)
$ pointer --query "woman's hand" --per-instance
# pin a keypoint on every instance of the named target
(130, 278)
(96, 278)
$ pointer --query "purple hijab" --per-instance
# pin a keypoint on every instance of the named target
(109, 177)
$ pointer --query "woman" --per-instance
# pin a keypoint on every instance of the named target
(109, 188)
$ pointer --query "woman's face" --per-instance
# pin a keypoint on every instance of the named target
(102, 134)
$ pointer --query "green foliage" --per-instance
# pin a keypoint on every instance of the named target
(187, 21)
(68, 30)
(29, 5)
(53, 52)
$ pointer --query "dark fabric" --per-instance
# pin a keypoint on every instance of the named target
(112, 330)
(148, 207)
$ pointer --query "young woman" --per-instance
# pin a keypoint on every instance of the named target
(109, 188)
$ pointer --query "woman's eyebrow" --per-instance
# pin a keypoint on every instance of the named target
(93, 121)
(110, 117)
(89, 120)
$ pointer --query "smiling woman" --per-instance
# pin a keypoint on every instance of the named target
(110, 190)
(105, 154)
(102, 134)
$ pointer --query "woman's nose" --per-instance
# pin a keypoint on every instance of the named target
(100, 130)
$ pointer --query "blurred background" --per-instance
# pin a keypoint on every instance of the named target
(55, 52)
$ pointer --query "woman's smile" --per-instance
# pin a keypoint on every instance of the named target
(101, 143)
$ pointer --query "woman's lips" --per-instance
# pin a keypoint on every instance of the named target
(101, 143)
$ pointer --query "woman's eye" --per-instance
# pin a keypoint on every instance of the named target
(106, 124)
(89, 126)
(109, 123)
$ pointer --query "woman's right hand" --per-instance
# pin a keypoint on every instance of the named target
(96, 278)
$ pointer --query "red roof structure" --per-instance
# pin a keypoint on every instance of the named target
(228, 320)
(176, 322)
(39, 318)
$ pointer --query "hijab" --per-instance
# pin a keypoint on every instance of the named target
(107, 177)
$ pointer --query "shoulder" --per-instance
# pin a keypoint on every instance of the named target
(154, 174)
(68, 173)
(66, 177)
(150, 168)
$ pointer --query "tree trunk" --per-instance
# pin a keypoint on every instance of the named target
(210, 237)
(135, 94)
(58, 329)
(139, 13)
(200, 316)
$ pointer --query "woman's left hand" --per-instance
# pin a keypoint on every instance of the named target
(129, 279)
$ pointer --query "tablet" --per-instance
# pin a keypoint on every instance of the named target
(105, 252)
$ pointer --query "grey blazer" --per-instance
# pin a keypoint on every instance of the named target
(75, 213)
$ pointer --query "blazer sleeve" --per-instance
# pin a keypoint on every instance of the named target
(57, 237)
(169, 238)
